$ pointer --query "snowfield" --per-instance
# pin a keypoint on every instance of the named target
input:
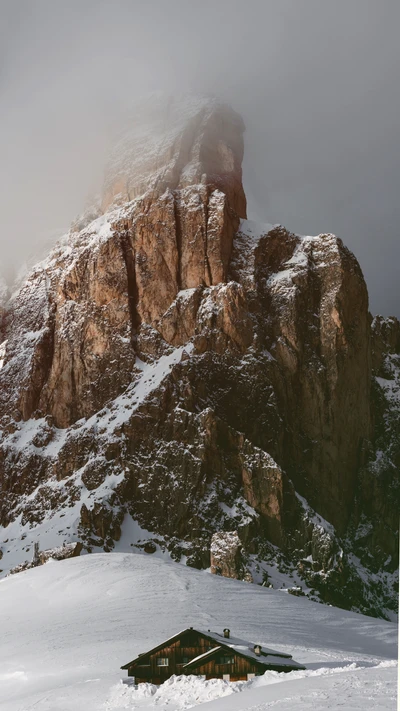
(67, 627)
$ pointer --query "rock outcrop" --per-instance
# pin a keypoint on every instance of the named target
(70, 550)
(226, 557)
(173, 371)
(83, 308)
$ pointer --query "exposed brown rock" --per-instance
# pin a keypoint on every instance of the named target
(178, 324)
(223, 320)
(226, 556)
(201, 378)
(126, 272)
(317, 331)
(264, 488)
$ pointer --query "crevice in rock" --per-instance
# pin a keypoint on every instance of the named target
(208, 268)
(185, 148)
(206, 260)
(42, 361)
(3, 323)
(178, 234)
(133, 293)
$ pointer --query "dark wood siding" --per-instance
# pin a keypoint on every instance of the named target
(215, 668)
(189, 646)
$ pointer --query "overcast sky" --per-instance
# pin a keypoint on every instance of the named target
(316, 81)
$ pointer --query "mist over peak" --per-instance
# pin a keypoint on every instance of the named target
(316, 85)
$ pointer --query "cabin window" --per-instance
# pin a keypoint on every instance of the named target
(250, 676)
(226, 677)
(226, 660)
(185, 659)
(162, 661)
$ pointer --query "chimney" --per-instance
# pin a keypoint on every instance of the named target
(227, 633)
(257, 649)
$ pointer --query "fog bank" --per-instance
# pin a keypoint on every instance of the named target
(316, 83)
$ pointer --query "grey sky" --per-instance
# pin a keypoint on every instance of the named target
(317, 83)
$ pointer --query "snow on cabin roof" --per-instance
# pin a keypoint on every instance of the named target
(202, 656)
(265, 660)
(241, 644)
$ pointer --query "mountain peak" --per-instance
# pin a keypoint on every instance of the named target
(177, 366)
(172, 142)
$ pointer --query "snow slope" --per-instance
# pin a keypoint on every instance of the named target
(351, 690)
(67, 627)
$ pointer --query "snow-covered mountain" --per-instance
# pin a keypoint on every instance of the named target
(68, 627)
(173, 371)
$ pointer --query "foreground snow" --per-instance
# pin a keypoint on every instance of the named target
(351, 687)
(67, 627)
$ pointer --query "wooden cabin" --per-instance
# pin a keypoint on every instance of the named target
(208, 654)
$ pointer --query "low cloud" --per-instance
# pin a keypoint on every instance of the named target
(316, 83)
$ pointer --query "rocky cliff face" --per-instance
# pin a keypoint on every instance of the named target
(375, 521)
(173, 370)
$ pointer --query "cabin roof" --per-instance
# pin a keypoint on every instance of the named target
(267, 658)
(244, 647)
(202, 657)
